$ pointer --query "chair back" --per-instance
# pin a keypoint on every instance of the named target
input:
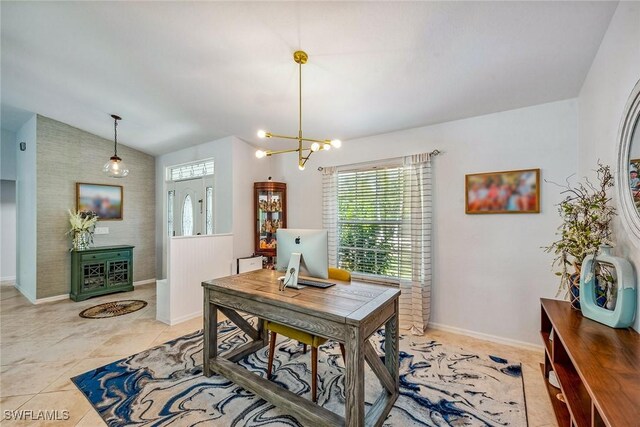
(339, 274)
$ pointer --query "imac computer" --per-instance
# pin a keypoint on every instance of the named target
(304, 252)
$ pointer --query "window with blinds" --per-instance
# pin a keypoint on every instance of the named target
(372, 229)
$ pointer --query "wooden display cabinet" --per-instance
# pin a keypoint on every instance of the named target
(598, 368)
(270, 204)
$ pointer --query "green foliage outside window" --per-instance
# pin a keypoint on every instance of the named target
(370, 222)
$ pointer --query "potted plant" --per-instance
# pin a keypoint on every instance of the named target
(82, 228)
(586, 225)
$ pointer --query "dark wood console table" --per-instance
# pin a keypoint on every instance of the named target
(598, 368)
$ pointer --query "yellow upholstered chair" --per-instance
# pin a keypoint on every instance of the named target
(304, 337)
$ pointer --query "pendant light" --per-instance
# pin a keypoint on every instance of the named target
(304, 153)
(115, 167)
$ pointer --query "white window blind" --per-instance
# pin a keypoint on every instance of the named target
(371, 223)
(379, 223)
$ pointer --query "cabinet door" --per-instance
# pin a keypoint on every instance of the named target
(93, 276)
(119, 272)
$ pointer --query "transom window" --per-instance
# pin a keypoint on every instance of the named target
(190, 171)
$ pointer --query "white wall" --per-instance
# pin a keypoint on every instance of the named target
(489, 270)
(26, 201)
(8, 149)
(8, 230)
(613, 74)
(247, 169)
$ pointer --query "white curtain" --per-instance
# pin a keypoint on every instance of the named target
(415, 300)
(330, 210)
(417, 210)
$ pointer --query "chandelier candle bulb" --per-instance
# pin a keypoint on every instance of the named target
(336, 143)
(262, 134)
(315, 147)
(260, 154)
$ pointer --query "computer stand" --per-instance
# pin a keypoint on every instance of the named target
(291, 277)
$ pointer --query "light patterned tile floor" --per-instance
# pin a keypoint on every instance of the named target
(42, 346)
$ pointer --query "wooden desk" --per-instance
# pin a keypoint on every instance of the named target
(347, 312)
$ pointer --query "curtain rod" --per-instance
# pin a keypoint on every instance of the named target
(382, 161)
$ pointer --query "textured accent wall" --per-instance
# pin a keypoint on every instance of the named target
(65, 156)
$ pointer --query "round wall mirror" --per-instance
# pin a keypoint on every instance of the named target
(628, 185)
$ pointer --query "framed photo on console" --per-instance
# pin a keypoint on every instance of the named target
(515, 191)
(104, 200)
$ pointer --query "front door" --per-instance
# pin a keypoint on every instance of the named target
(188, 207)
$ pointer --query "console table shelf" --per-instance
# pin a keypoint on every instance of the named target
(598, 368)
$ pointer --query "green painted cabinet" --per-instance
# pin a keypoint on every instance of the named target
(101, 270)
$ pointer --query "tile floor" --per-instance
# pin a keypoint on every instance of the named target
(42, 346)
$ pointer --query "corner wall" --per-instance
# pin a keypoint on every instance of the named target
(613, 74)
(26, 209)
(489, 270)
(65, 156)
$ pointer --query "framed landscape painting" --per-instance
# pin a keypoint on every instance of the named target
(503, 192)
(104, 200)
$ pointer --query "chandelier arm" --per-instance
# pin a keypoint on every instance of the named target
(273, 135)
(322, 141)
(293, 150)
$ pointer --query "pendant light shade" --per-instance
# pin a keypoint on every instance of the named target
(115, 167)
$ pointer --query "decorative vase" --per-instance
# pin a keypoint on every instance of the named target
(574, 288)
(81, 240)
(624, 295)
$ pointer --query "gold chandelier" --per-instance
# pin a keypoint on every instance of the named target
(300, 58)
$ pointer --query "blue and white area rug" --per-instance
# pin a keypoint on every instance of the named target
(439, 386)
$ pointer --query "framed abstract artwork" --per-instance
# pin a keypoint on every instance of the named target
(515, 191)
(104, 200)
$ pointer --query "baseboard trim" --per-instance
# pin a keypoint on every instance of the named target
(487, 337)
(7, 278)
(144, 282)
(31, 298)
(173, 322)
(51, 299)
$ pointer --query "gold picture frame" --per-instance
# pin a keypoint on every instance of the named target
(510, 192)
(103, 199)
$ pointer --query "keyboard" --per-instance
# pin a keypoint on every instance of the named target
(315, 284)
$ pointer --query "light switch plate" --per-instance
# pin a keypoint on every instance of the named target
(101, 230)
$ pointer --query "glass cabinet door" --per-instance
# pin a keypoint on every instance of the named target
(271, 211)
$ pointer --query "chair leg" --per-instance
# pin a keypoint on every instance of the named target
(342, 351)
(304, 348)
(272, 349)
(314, 374)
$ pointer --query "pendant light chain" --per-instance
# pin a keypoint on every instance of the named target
(115, 137)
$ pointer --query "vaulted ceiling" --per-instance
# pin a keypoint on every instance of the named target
(182, 73)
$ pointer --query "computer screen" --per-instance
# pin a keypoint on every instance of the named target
(312, 244)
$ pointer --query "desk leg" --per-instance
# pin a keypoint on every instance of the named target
(391, 347)
(210, 348)
(354, 378)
